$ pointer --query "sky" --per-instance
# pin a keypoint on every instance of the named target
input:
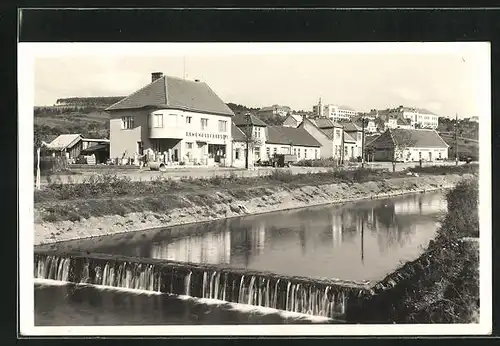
(444, 81)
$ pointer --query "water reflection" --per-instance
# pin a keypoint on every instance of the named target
(356, 241)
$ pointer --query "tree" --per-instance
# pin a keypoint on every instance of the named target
(402, 141)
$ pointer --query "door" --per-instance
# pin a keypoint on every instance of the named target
(430, 156)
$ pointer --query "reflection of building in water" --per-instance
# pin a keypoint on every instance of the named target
(337, 228)
(258, 237)
(421, 204)
(212, 248)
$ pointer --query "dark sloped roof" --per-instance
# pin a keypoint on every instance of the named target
(275, 136)
(348, 138)
(324, 123)
(350, 127)
(176, 93)
(291, 135)
(241, 120)
(418, 138)
(329, 132)
(237, 134)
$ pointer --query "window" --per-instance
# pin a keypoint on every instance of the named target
(315, 153)
(157, 120)
(127, 123)
(256, 152)
(337, 133)
(298, 153)
(189, 119)
(204, 123)
(295, 151)
(275, 150)
(305, 153)
(257, 132)
(268, 152)
(172, 120)
(189, 145)
(222, 126)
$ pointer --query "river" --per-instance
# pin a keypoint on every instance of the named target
(361, 241)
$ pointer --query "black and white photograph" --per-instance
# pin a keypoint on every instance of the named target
(255, 188)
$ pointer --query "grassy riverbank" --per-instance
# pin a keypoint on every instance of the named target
(442, 286)
(110, 205)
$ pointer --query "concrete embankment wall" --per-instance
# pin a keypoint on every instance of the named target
(223, 204)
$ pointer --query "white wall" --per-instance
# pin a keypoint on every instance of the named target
(412, 154)
(174, 126)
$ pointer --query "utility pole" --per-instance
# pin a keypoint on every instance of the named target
(456, 139)
(363, 143)
(247, 116)
(342, 147)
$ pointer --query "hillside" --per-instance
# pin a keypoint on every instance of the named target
(85, 116)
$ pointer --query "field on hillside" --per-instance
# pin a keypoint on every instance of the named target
(49, 122)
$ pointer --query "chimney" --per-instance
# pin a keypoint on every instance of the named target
(155, 76)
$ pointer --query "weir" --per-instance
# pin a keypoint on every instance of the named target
(329, 297)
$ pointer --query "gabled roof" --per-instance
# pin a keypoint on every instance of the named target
(350, 127)
(237, 134)
(417, 138)
(324, 123)
(348, 138)
(241, 120)
(175, 93)
(290, 136)
(296, 117)
(62, 142)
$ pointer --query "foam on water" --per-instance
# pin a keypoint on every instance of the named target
(245, 308)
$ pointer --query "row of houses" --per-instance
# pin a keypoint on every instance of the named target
(187, 123)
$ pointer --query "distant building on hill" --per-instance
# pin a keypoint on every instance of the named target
(274, 110)
(334, 112)
(418, 117)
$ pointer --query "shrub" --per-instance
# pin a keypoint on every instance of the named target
(328, 162)
(462, 219)
(284, 176)
(443, 170)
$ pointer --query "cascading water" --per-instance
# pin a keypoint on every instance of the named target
(313, 298)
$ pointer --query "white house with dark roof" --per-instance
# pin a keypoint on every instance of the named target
(252, 126)
(290, 140)
(408, 145)
(184, 120)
